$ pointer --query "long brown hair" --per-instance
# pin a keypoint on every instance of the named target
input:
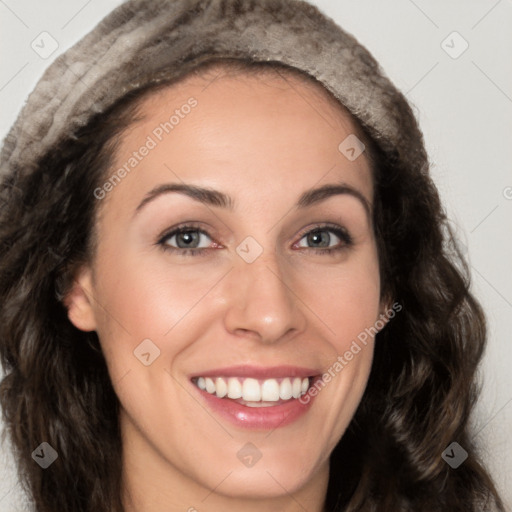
(422, 385)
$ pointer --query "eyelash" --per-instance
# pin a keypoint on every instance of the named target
(340, 232)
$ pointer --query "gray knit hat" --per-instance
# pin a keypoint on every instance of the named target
(150, 41)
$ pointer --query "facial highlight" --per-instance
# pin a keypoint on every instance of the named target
(235, 263)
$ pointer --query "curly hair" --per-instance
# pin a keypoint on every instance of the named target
(422, 385)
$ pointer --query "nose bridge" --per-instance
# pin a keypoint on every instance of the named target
(261, 300)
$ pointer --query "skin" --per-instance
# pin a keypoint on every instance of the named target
(263, 141)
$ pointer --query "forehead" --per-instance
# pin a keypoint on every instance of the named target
(267, 131)
(275, 84)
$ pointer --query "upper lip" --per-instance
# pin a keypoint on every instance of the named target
(259, 372)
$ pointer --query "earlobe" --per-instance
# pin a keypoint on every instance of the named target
(79, 303)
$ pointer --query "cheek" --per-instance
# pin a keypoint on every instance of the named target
(141, 298)
(346, 303)
(345, 298)
(147, 299)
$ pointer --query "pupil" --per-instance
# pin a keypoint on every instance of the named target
(188, 237)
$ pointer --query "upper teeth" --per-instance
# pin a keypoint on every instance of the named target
(252, 390)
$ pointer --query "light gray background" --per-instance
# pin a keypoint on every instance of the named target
(464, 106)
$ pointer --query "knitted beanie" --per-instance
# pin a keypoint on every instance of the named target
(144, 42)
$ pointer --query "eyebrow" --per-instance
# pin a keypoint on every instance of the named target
(213, 197)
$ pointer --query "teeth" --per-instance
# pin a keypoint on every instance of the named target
(221, 388)
(285, 390)
(270, 390)
(234, 388)
(259, 404)
(296, 387)
(256, 393)
(210, 386)
(251, 390)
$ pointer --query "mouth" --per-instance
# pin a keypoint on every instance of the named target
(257, 398)
(253, 392)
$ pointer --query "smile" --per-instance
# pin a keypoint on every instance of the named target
(256, 398)
(254, 392)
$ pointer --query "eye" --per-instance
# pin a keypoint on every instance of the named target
(194, 241)
(186, 240)
(326, 239)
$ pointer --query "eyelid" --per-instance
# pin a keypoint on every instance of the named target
(319, 226)
(341, 232)
(180, 228)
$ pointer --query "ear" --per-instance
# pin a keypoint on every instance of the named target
(79, 301)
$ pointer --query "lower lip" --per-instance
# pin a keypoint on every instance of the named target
(257, 418)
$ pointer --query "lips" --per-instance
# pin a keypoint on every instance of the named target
(256, 397)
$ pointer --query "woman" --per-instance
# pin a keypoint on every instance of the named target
(227, 279)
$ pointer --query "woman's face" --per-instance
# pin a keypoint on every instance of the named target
(267, 288)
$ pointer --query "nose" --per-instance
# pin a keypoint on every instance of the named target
(262, 303)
